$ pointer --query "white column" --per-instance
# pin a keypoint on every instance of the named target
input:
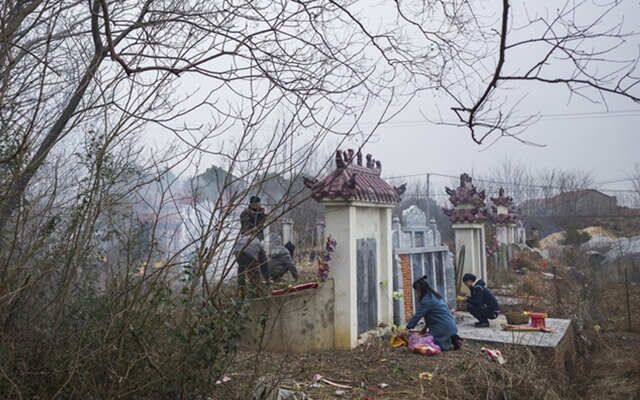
(287, 230)
(266, 243)
(472, 237)
(482, 248)
(340, 224)
(512, 233)
(385, 269)
(502, 234)
(319, 234)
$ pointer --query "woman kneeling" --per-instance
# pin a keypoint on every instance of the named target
(436, 314)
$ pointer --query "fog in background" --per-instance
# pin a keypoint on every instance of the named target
(571, 133)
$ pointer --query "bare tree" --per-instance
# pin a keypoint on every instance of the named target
(570, 46)
(65, 62)
(114, 264)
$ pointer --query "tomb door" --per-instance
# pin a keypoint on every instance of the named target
(366, 284)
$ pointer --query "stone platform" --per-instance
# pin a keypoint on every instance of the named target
(495, 334)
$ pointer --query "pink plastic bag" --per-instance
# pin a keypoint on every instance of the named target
(423, 344)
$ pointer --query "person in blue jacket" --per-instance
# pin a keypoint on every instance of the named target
(437, 316)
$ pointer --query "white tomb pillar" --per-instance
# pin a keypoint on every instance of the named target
(358, 210)
(521, 233)
(502, 234)
(472, 237)
(504, 218)
(287, 230)
(319, 233)
(512, 233)
(340, 225)
(468, 216)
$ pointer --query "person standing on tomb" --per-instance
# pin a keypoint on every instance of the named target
(252, 219)
(437, 316)
(482, 304)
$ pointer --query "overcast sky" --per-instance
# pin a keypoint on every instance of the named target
(606, 144)
(570, 134)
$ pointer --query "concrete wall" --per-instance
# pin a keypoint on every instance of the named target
(297, 322)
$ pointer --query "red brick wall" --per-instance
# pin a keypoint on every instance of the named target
(407, 290)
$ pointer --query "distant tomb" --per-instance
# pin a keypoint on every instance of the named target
(505, 218)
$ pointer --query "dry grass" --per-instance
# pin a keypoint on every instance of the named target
(607, 365)
(465, 374)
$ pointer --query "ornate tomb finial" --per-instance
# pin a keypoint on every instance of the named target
(468, 203)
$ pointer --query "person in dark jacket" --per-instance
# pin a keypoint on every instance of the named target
(437, 316)
(252, 260)
(280, 262)
(252, 218)
(482, 304)
(291, 247)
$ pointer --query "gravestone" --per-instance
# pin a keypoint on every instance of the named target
(418, 251)
(366, 284)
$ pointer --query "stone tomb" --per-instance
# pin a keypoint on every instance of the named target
(559, 345)
(468, 216)
(505, 218)
(357, 296)
(418, 251)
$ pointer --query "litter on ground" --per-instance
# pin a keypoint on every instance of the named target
(494, 355)
(317, 378)
(426, 376)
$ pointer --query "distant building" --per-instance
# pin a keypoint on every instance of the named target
(578, 203)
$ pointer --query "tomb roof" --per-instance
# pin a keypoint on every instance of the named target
(353, 181)
(468, 202)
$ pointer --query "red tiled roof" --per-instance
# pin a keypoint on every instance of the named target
(502, 199)
(354, 182)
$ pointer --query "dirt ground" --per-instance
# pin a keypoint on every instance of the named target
(378, 371)
(611, 370)
(608, 361)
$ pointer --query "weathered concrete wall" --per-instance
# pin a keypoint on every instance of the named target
(297, 322)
